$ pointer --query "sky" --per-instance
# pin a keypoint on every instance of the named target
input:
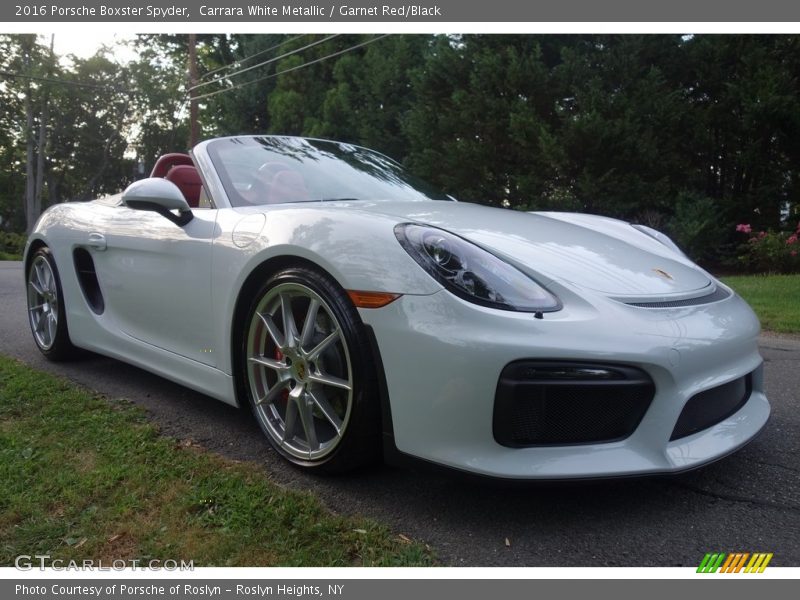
(84, 46)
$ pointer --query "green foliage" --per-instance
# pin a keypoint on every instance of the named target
(12, 245)
(741, 97)
(87, 143)
(371, 94)
(770, 251)
(159, 81)
(696, 226)
(244, 111)
(615, 102)
(480, 125)
(65, 124)
(684, 132)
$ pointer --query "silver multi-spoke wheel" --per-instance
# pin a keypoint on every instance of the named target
(43, 302)
(46, 313)
(299, 371)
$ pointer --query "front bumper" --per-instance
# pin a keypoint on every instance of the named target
(443, 357)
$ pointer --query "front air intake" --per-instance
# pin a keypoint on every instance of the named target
(712, 406)
(541, 403)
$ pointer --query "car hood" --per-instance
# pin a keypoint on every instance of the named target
(605, 255)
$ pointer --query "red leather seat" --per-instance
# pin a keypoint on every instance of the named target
(166, 162)
(188, 181)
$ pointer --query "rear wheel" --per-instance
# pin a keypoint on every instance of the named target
(309, 373)
(46, 311)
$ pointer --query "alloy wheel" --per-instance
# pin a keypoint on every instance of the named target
(299, 371)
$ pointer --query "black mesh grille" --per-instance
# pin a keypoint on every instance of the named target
(710, 407)
(532, 409)
(715, 296)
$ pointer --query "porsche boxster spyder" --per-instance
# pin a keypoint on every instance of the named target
(359, 313)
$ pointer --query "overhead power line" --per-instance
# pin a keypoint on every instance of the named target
(289, 70)
(238, 63)
(261, 64)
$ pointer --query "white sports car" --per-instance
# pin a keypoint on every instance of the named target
(360, 313)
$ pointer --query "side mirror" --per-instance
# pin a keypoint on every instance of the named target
(158, 195)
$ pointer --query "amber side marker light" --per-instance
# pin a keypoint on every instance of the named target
(371, 299)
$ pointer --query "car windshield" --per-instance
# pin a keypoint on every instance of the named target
(276, 170)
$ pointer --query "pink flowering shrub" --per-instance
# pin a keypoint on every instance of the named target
(770, 251)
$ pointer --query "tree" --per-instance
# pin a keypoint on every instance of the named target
(245, 109)
(618, 116)
(29, 67)
(744, 103)
(371, 94)
(480, 124)
(157, 110)
(65, 127)
(688, 133)
(168, 54)
(88, 146)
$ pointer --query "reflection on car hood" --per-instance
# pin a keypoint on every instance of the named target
(602, 254)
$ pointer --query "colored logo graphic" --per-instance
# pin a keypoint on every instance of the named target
(736, 562)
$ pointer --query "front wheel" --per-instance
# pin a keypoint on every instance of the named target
(46, 311)
(309, 373)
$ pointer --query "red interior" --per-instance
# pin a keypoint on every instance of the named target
(188, 181)
(180, 170)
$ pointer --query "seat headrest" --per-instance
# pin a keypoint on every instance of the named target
(166, 162)
(188, 181)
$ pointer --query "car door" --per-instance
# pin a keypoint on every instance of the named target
(156, 278)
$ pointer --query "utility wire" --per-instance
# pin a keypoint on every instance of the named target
(239, 62)
(295, 68)
(62, 81)
(261, 64)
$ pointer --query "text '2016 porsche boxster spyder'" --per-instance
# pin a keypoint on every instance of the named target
(356, 310)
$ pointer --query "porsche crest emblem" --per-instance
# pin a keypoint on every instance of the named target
(663, 273)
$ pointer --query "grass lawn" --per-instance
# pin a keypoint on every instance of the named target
(85, 477)
(775, 298)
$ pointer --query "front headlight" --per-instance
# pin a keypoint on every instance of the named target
(471, 272)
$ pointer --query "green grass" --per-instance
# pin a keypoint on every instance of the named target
(12, 245)
(774, 298)
(82, 476)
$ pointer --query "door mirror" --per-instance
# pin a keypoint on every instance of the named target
(158, 195)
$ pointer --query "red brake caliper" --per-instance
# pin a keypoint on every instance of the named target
(285, 392)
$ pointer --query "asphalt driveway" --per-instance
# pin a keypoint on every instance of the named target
(748, 502)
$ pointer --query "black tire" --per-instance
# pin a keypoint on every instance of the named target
(314, 392)
(47, 315)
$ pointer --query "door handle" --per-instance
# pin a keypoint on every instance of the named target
(97, 241)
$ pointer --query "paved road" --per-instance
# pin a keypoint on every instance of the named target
(747, 502)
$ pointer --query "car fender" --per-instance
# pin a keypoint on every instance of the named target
(343, 242)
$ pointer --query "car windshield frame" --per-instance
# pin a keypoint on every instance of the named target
(265, 170)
